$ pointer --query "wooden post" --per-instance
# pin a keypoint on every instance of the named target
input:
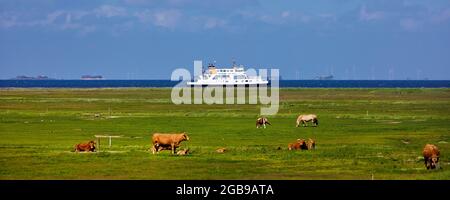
(106, 136)
(98, 143)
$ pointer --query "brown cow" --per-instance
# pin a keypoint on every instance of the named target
(89, 146)
(311, 144)
(299, 144)
(431, 156)
(262, 121)
(167, 141)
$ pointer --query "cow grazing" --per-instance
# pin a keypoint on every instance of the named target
(299, 144)
(302, 119)
(311, 144)
(431, 156)
(89, 147)
(262, 121)
(167, 141)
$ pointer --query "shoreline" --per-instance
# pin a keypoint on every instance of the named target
(166, 88)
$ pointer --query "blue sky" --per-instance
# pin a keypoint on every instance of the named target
(147, 39)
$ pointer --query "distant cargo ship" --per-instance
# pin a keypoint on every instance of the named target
(32, 78)
(329, 77)
(89, 77)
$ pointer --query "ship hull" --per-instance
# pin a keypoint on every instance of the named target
(226, 83)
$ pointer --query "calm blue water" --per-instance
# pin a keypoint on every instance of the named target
(167, 83)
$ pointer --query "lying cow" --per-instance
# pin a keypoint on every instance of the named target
(302, 119)
(89, 147)
(164, 141)
(311, 144)
(221, 150)
(431, 156)
(183, 152)
(262, 121)
(299, 144)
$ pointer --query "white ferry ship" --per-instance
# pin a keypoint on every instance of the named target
(227, 76)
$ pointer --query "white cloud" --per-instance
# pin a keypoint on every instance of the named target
(442, 16)
(111, 17)
(118, 29)
(211, 23)
(285, 14)
(63, 19)
(8, 20)
(167, 18)
(138, 2)
(365, 15)
(285, 17)
(110, 11)
(162, 18)
(51, 18)
(328, 17)
(144, 16)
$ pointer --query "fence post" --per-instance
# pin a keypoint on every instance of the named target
(98, 142)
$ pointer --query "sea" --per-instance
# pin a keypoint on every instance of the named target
(168, 83)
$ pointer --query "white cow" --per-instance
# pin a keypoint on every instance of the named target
(307, 118)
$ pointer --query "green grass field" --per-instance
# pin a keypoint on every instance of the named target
(362, 134)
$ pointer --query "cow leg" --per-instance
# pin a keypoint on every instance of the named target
(153, 149)
(156, 148)
(173, 148)
(264, 125)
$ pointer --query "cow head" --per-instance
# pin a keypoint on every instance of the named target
(92, 145)
(302, 143)
(433, 162)
(185, 136)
